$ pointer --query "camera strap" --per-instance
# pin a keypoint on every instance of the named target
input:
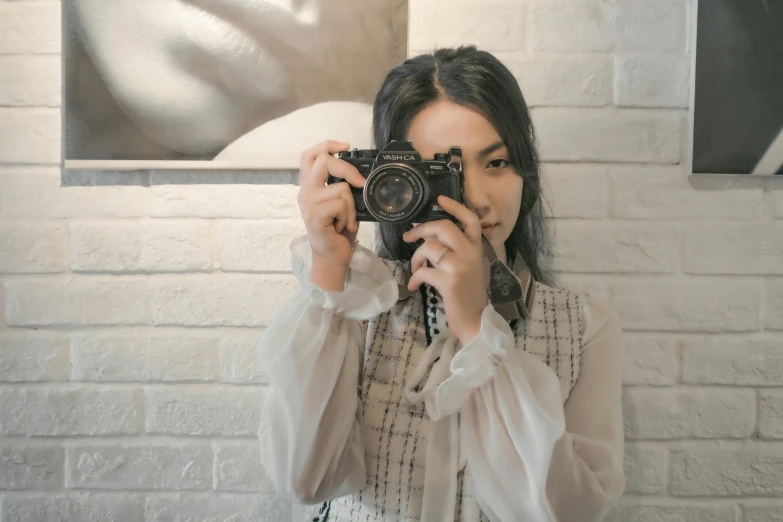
(510, 295)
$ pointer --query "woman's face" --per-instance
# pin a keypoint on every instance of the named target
(492, 185)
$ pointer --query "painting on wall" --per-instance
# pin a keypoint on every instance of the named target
(737, 89)
(221, 84)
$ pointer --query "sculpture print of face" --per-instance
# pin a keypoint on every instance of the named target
(193, 75)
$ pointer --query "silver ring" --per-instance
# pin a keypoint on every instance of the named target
(440, 256)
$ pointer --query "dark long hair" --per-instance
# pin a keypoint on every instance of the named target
(479, 81)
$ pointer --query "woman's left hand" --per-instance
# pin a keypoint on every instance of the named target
(456, 267)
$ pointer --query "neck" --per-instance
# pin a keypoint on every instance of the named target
(500, 251)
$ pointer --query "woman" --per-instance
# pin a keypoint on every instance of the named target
(397, 390)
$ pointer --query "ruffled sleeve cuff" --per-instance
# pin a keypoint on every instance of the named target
(470, 368)
(370, 288)
(479, 358)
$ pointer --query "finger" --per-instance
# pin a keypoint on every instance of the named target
(344, 170)
(350, 204)
(333, 191)
(431, 276)
(326, 164)
(339, 191)
(429, 251)
(309, 156)
(316, 178)
(331, 213)
(469, 219)
(444, 230)
(350, 235)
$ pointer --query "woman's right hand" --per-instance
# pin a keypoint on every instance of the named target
(328, 211)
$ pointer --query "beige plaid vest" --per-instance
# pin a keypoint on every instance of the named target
(395, 432)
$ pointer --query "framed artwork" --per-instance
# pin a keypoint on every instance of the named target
(221, 84)
(737, 88)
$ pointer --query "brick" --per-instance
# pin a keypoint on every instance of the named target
(27, 248)
(715, 305)
(29, 356)
(593, 286)
(3, 311)
(238, 468)
(203, 410)
(645, 467)
(37, 193)
(84, 507)
(562, 81)
(30, 28)
(144, 358)
(734, 249)
(654, 192)
(763, 511)
(654, 510)
(221, 300)
(771, 414)
(599, 135)
(649, 361)
(239, 361)
(777, 203)
(101, 300)
(255, 246)
(224, 201)
(575, 191)
(30, 466)
(150, 246)
(683, 413)
(615, 247)
(652, 80)
(774, 312)
(173, 465)
(492, 26)
(735, 361)
(69, 411)
(30, 81)
(29, 135)
(601, 27)
(187, 507)
(727, 469)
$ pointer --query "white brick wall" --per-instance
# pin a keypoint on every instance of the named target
(129, 389)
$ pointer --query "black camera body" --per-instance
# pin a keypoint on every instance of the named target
(401, 187)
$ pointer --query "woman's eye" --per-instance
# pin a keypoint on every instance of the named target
(498, 164)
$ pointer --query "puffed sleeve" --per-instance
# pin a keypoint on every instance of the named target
(310, 428)
(531, 457)
(586, 473)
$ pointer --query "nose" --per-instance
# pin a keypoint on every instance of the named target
(476, 193)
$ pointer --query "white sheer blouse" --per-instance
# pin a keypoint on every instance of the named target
(532, 457)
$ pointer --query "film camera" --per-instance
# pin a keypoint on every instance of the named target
(400, 187)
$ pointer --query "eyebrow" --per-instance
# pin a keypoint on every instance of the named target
(486, 151)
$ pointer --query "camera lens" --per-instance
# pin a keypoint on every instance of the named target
(393, 193)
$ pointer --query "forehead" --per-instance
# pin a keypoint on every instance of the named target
(444, 124)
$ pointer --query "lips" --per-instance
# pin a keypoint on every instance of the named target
(486, 227)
